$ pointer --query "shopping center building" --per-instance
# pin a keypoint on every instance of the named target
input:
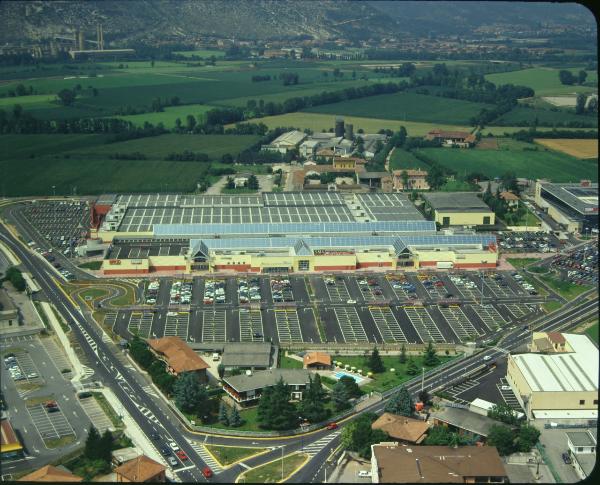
(280, 232)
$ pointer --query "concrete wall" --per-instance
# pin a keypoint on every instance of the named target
(467, 219)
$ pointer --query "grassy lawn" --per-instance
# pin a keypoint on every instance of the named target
(239, 190)
(544, 81)
(289, 363)
(521, 114)
(91, 294)
(406, 106)
(519, 263)
(108, 409)
(387, 379)
(530, 163)
(272, 472)
(402, 159)
(226, 455)
(318, 122)
(566, 289)
(205, 53)
(552, 306)
(93, 265)
(250, 417)
(536, 284)
(128, 298)
(528, 219)
(593, 332)
(59, 442)
(34, 401)
(169, 115)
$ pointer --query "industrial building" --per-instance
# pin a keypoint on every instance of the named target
(573, 206)
(459, 209)
(277, 232)
(558, 379)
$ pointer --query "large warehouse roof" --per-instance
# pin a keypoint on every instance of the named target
(304, 228)
(565, 371)
(456, 201)
(583, 199)
(399, 243)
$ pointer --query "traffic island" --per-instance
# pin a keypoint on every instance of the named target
(230, 455)
(274, 471)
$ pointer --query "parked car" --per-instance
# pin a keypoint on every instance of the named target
(207, 472)
(181, 454)
(332, 426)
(566, 458)
(173, 461)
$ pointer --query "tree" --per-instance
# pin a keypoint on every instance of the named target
(441, 435)
(435, 177)
(358, 435)
(404, 177)
(230, 184)
(66, 97)
(190, 123)
(92, 444)
(424, 396)
(375, 362)
(105, 446)
(235, 419)
(351, 386)
(17, 111)
(152, 63)
(340, 396)
(581, 77)
(502, 438)
(503, 412)
(312, 406)
(402, 357)
(253, 182)
(401, 403)
(16, 278)
(221, 370)
(429, 357)
(190, 395)
(177, 124)
(275, 411)
(411, 368)
(527, 437)
(566, 77)
(223, 414)
(94, 92)
(580, 104)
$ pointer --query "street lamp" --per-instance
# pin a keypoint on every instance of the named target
(282, 447)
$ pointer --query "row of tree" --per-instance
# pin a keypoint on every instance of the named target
(15, 277)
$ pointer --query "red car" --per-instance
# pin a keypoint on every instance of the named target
(207, 472)
(332, 426)
(181, 454)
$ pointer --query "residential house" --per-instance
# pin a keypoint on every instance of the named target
(316, 360)
(511, 199)
(416, 179)
(51, 473)
(246, 389)
(348, 163)
(141, 469)
(394, 463)
(241, 179)
(471, 425)
(247, 355)
(582, 450)
(178, 356)
(402, 428)
(461, 139)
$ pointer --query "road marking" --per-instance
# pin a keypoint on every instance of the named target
(245, 466)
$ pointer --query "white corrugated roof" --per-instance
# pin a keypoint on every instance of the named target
(567, 371)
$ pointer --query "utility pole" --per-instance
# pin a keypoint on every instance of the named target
(422, 378)
(282, 447)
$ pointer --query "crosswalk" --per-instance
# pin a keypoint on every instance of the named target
(150, 391)
(206, 457)
(314, 448)
(87, 372)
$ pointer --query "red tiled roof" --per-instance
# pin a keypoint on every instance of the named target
(180, 356)
(317, 358)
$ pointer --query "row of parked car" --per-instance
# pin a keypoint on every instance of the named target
(401, 283)
(214, 291)
(281, 288)
(152, 292)
(249, 290)
(370, 285)
(17, 374)
(581, 266)
(528, 287)
(527, 242)
(181, 293)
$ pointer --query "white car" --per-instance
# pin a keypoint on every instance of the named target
(364, 474)
(174, 446)
(351, 302)
(487, 357)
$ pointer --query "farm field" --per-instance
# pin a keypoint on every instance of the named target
(521, 114)
(575, 148)
(531, 164)
(320, 122)
(169, 115)
(406, 106)
(502, 130)
(201, 53)
(544, 81)
(94, 176)
(26, 146)
(158, 147)
(401, 159)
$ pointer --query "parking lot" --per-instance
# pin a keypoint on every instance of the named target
(528, 242)
(251, 326)
(350, 324)
(140, 323)
(96, 414)
(63, 224)
(424, 325)
(489, 316)
(336, 288)
(214, 325)
(386, 323)
(459, 323)
(177, 324)
(579, 267)
(288, 325)
(51, 425)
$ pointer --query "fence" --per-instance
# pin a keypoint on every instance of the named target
(351, 348)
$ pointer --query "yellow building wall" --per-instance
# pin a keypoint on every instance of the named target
(471, 259)
(108, 236)
(465, 218)
(125, 266)
(343, 164)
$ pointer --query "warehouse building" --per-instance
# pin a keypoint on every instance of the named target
(459, 209)
(573, 206)
(558, 379)
(273, 232)
(285, 142)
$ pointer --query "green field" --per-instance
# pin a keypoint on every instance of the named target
(169, 115)
(521, 114)
(592, 332)
(544, 81)
(205, 53)
(23, 146)
(406, 106)
(158, 147)
(401, 159)
(320, 122)
(555, 166)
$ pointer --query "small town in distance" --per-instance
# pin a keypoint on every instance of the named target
(333, 243)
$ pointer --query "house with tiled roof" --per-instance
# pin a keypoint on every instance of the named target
(178, 356)
(141, 469)
(402, 428)
(316, 360)
(51, 473)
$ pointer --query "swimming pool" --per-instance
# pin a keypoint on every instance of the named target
(338, 375)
